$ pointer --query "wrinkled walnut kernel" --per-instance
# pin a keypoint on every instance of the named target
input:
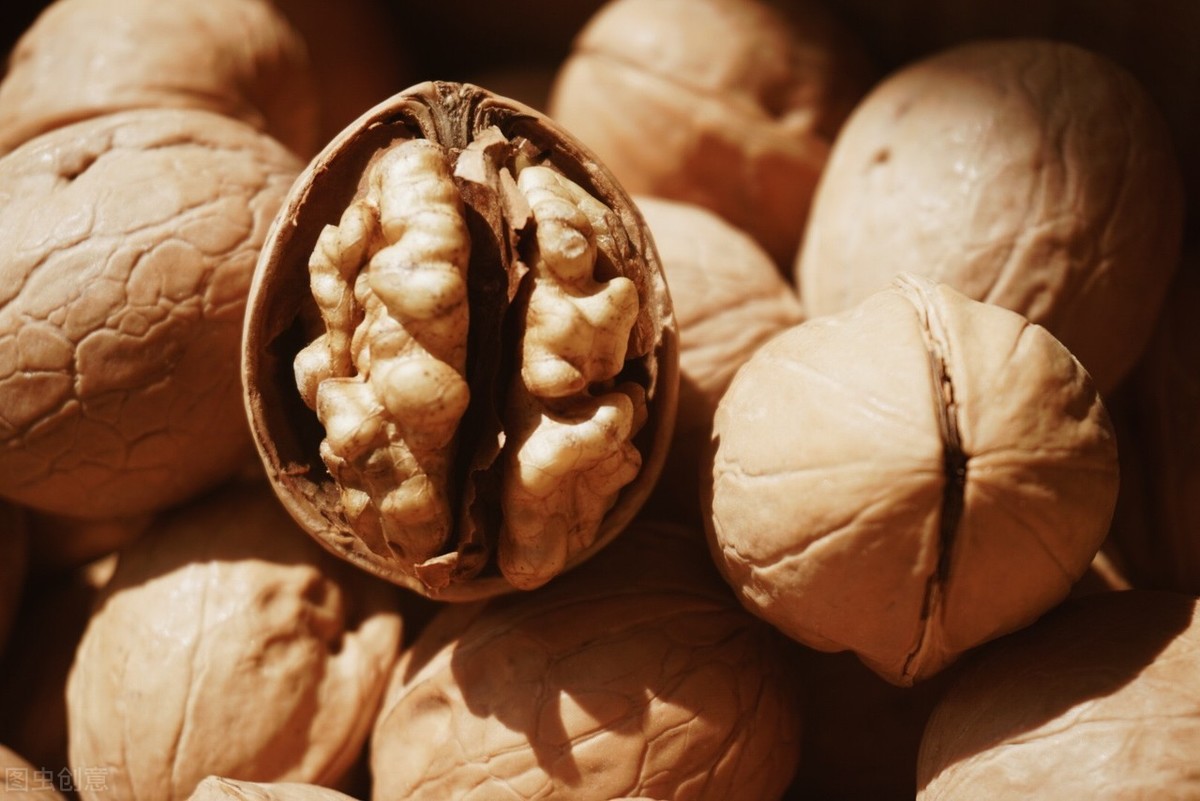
(487, 347)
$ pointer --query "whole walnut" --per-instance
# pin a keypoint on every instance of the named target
(131, 240)
(726, 104)
(1031, 174)
(460, 357)
(636, 675)
(86, 58)
(22, 781)
(227, 642)
(909, 478)
(215, 788)
(1096, 700)
(60, 543)
(729, 298)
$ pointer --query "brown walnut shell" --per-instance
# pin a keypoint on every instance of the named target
(130, 242)
(1095, 700)
(910, 478)
(460, 359)
(638, 675)
(1030, 173)
(86, 58)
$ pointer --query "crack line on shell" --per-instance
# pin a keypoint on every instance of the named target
(954, 459)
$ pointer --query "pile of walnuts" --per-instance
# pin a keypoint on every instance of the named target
(614, 400)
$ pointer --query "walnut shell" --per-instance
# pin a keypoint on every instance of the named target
(1027, 173)
(1096, 700)
(459, 356)
(910, 478)
(637, 675)
(130, 243)
(228, 643)
(86, 58)
(727, 104)
(215, 788)
(729, 299)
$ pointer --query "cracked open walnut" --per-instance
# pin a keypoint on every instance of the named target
(459, 358)
(910, 478)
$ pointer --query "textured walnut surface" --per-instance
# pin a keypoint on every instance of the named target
(86, 58)
(725, 104)
(910, 478)
(459, 357)
(636, 674)
(262, 656)
(1096, 700)
(215, 788)
(1028, 173)
(131, 240)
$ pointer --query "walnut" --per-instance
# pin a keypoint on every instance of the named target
(1095, 700)
(219, 789)
(909, 478)
(477, 390)
(726, 104)
(130, 244)
(86, 58)
(729, 299)
(228, 643)
(1027, 173)
(637, 675)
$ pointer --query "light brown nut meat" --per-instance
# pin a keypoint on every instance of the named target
(228, 643)
(220, 789)
(910, 478)
(1096, 700)
(459, 361)
(130, 244)
(727, 104)
(86, 58)
(1027, 173)
(637, 675)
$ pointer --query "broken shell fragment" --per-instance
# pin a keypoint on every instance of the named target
(459, 358)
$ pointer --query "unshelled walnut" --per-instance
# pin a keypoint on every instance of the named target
(22, 781)
(727, 104)
(729, 299)
(130, 241)
(215, 788)
(460, 358)
(228, 643)
(1031, 174)
(86, 58)
(1096, 700)
(638, 674)
(909, 478)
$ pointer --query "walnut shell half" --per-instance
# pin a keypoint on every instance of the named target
(460, 358)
